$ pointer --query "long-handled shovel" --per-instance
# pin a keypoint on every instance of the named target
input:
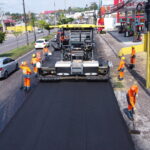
(134, 130)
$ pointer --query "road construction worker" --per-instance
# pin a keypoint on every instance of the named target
(62, 37)
(133, 58)
(26, 76)
(46, 53)
(34, 61)
(131, 99)
(39, 56)
(121, 69)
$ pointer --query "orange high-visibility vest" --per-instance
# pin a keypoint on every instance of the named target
(133, 56)
(45, 50)
(132, 98)
(34, 61)
(121, 65)
(25, 70)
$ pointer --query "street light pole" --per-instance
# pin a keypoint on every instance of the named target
(25, 21)
(147, 10)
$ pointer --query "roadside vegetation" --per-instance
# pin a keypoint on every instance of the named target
(2, 36)
(20, 51)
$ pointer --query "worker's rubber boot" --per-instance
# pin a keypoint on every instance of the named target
(28, 89)
(120, 79)
(25, 88)
(130, 115)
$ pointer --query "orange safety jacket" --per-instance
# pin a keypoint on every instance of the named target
(132, 98)
(34, 61)
(45, 50)
(25, 70)
(62, 38)
(133, 57)
(38, 56)
(121, 66)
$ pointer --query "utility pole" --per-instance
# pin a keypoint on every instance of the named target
(25, 21)
(2, 20)
(55, 13)
(147, 10)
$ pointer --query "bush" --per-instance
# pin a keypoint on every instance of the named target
(2, 36)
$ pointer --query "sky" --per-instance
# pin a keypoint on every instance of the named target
(41, 5)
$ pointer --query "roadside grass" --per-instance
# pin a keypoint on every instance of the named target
(18, 52)
(15, 53)
(118, 85)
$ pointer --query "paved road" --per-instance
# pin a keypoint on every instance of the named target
(68, 116)
(11, 43)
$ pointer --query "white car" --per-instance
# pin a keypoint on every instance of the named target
(39, 31)
(7, 66)
(41, 43)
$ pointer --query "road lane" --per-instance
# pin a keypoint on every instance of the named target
(68, 116)
(11, 43)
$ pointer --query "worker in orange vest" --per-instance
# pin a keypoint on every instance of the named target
(131, 99)
(34, 61)
(133, 58)
(39, 56)
(121, 69)
(46, 52)
(62, 37)
(26, 76)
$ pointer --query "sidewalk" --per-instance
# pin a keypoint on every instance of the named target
(127, 41)
(111, 47)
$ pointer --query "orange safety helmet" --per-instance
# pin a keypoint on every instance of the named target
(134, 88)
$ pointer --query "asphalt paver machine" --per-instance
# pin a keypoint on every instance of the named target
(77, 56)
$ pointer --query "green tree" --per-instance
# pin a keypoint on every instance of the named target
(41, 23)
(64, 20)
(2, 36)
(93, 6)
(16, 16)
(46, 27)
(16, 34)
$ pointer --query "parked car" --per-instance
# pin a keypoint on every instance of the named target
(7, 66)
(41, 43)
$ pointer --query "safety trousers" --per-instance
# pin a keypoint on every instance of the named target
(27, 81)
(35, 69)
(133, 60)
(121, 74)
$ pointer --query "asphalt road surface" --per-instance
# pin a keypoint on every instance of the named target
(11, 43)
(68, 116)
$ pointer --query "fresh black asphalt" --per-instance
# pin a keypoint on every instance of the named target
(68, 116)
